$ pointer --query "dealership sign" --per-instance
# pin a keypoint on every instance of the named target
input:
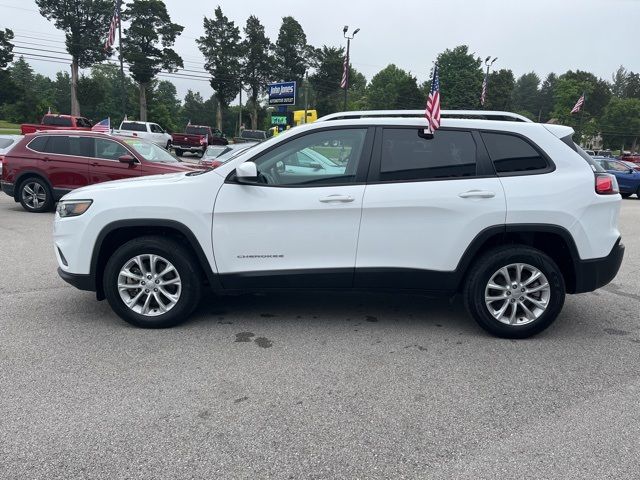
(282, 93)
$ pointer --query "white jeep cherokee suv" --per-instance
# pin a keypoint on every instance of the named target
(510, 213)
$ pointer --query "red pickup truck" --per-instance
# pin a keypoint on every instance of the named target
(196, 139)
(57, 122)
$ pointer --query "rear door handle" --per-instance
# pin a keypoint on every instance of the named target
(477, 194)
(337, 198)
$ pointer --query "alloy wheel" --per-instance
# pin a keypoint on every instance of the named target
(517, 294)
(34, 195)
(149, 285)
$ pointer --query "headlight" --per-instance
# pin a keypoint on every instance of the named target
(73, 208)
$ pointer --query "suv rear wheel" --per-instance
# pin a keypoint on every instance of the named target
(515, 291)
(152, 282)
(35, 196)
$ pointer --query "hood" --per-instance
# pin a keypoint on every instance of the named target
(172, 167)
(155, 180)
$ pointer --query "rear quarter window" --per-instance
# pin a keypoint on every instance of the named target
(513, 154)
(38, 144)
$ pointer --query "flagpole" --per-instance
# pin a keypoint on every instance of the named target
(123, 90)
(584, 95)
(346, 86)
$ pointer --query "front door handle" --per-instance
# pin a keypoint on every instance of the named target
(477, 194)
(337, 198)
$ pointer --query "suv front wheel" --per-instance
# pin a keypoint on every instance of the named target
(515, 291)
(152, 282)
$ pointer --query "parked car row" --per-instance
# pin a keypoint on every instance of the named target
(42, 167)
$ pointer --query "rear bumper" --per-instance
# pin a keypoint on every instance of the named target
(596, 273)
(7, 188)
(81, 282)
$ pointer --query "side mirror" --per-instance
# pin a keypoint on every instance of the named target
(127, 159)
(247, 172)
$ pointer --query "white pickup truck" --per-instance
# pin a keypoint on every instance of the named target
(151, 132)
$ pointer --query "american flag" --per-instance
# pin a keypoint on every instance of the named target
(113, 27)
(104, 126)
(483, 95)
(578, 105)
(344, 83)
(432, 113)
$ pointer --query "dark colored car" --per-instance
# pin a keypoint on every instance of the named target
(631, 157)
(43, 167)
(628, 177)
(196, 139)
(57, 122)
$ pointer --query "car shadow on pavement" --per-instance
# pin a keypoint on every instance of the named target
(329, 308)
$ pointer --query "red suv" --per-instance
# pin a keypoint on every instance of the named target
(44, 166)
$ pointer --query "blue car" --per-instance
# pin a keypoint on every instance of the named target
(628, 178)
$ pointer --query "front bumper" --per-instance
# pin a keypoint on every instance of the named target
(596, 273)
(7, 188)
(189, 148)
(81, 282)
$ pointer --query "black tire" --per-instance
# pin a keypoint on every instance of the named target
(488, 265)
(626, 195)
(200, 153)
(184, 263)
(179, 152)
(168, 147)
(35, 185)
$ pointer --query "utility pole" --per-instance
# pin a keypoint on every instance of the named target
(240, 113)
(306, 95)
(488, 62)
(345, 83)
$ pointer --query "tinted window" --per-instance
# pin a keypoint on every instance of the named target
(81, 146)
(322, 158)
(134, 127)
(513, 154)
(83, 122)
(58, 145)
(407, 156)
(618, 167)
(191, 130)
(38, 144)
(156, 128)
(5, 142)
(109, 150)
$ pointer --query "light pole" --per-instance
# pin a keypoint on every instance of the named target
(488, 62)
(346, 66)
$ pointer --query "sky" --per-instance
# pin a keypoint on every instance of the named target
(526, 35)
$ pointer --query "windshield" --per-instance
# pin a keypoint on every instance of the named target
(150, 151)
(237, 152)
(216, 150)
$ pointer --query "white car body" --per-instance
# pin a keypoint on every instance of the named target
(152, 132)
(397, 234)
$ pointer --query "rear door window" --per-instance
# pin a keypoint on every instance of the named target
(512, 154)
(58, 145)
(38, 144)
(406, 156)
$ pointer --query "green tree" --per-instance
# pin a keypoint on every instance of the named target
(292, 53)
(460, 79)
(108, 78)
(91, 95)
(147, 50)
(221, 47)
(6, 57)
(326, 80)
(619, 82)
(61, 93)
(620, 124)
(569, 87)
(85, 23)
(633, 86)
(196, 111)
(526, 95)
(25, 102)
(165, 105)
(500, 90)
(6, 48)
(393, 88)
(257, 65)
(546, 101)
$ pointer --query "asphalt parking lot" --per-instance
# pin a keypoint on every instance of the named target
(317, 385)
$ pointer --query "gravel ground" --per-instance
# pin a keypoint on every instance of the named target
(313, 385)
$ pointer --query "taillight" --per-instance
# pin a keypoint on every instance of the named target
(606, 184)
